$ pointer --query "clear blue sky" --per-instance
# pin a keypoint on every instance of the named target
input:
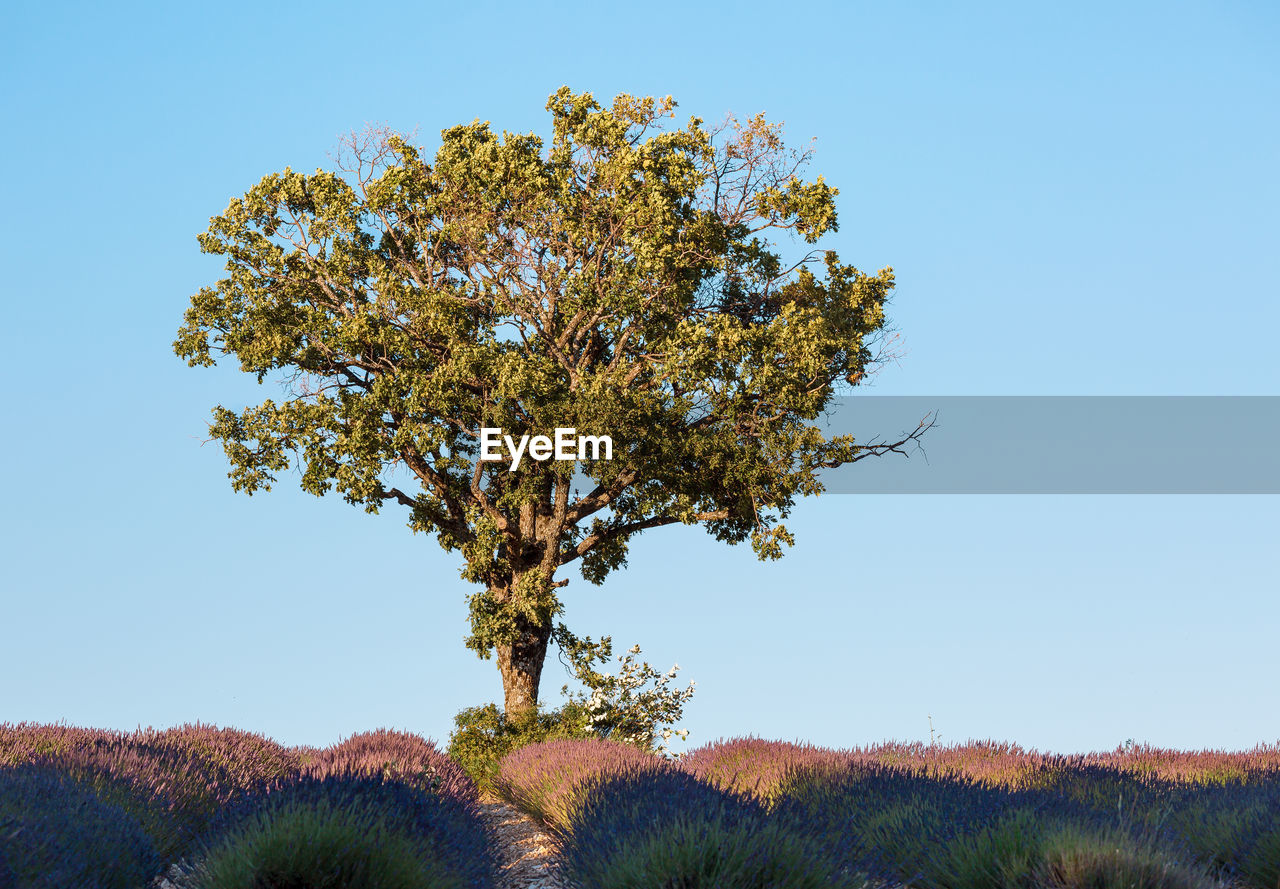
(1077, 201)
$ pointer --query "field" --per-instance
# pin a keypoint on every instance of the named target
(210, 808)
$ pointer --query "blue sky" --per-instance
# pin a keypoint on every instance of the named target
(1076, 201)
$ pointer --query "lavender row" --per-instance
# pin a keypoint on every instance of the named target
(626, 818)
(160, 798)
(760, 767)
(549, 780)
(751, 812)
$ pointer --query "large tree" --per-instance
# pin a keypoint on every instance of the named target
(620, 281)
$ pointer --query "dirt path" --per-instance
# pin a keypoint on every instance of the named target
(525, 850)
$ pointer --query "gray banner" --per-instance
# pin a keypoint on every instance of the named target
(1060, 444)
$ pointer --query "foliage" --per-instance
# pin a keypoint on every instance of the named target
(937, 829)
(620, 707)
(1139, 768)
(619, 280)
(305, 754)
(238, 760)
(173, 781)
(753, 766)
(1233, 826)
(550, 780)
(55, 832)
(1260, 864)
(1000, 855)
(484, 735)
(976, 815)
(1031, 848)
(1071, 858)
(79, 805)
(881, 819)
(663, 827)
(343, 832)
(393, 755)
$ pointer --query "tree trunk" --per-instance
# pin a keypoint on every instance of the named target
(521, 667)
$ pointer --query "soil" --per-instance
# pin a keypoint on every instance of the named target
(525, 850)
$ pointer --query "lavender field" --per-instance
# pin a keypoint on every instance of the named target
(208, 808)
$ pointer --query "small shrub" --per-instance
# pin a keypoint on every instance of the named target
(662, 827)
(484, 735)
(620, 708)
(345, 833)
(234, 761)
(882, 819)
(1129, 798)
(549, 780)
(56, 833)
(1075, 858)
(1220, 838)
(1260, 866)
(755, 766)
(394, 755)
(148, 791)
(1003, 855)
(25, 742)
(1233, 827)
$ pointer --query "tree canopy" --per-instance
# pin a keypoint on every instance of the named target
(620, 280)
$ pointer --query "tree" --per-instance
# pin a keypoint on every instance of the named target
(620, 282)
